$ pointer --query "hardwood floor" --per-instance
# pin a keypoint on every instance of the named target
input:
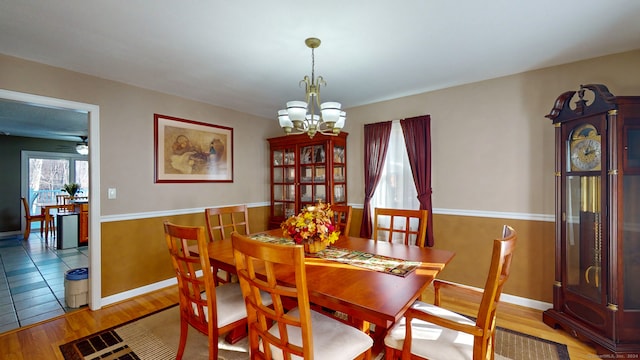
(42, 341)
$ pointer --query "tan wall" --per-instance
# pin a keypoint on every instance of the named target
(135, 254)
(492, 147)
(532, 271)
(146, 260)
(127, 139)
(470, 237)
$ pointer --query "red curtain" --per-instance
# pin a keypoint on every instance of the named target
(417, 137)
(376, 143)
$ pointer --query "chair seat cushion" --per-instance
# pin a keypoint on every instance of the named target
(332, 339)
(230, 304)
(432, 341)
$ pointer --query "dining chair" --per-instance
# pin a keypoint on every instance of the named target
(221, 222)
(436, 333)
(285, 332)
(31, 219)
(62, 199)
(212, 310)
(64, 203)
(342, 218)
(400, 225)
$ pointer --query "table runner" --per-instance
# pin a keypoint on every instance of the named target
(360, 259)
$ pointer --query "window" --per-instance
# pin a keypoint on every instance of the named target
(396, 189)
(45, 173)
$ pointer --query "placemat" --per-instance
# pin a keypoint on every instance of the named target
(360, 259)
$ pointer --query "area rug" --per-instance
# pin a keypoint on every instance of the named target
(155, 337)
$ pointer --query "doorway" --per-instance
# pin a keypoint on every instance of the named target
(93, 112)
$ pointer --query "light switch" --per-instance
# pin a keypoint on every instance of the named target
(111, 193)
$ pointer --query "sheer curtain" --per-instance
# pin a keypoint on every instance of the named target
(396, 188)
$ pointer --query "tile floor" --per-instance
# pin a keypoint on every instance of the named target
(32, 280)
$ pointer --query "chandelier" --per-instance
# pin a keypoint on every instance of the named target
(301, 116)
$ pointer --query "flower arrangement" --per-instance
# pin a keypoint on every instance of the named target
(313, 224)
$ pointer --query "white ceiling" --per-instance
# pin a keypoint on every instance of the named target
(250, 55)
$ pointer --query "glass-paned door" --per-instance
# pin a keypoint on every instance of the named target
(44, 175)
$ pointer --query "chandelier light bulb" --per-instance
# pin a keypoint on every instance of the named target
(285, 122)
(297, 110)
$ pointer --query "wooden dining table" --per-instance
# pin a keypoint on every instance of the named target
(368, 296)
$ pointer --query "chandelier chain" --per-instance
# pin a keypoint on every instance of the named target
(313, 65)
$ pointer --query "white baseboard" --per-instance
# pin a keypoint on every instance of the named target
(533, 304)
(10, 234)
(137, 292)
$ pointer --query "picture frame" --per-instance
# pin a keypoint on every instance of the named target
(188, 151)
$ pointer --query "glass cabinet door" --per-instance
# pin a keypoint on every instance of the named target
(338, 173)
(313, 170)
(283, 182)
(338, 155)
(339, 193)
(631, 243)
(320, 192)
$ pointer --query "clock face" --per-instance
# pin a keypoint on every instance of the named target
(586, 155)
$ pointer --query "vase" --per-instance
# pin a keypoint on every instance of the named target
(314, 246)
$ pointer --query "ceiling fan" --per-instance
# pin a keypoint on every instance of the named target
(82, 148)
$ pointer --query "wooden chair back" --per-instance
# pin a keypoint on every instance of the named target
(222, 221)
(273, 259)
(29, 219)
(65, 204)
(27, 208)
(195, 308)
(485, 326)
(499, 271)
(62, 199)
(400, 225)
(342, 218)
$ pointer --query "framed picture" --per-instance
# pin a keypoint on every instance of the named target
(192, 151)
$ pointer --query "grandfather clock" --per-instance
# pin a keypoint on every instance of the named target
(596, 294)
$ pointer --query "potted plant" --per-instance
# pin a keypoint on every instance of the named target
(71, 188)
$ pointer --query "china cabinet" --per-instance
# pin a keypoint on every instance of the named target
(596, 294)
(305, 170)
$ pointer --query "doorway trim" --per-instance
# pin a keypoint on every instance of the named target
(95, 278)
